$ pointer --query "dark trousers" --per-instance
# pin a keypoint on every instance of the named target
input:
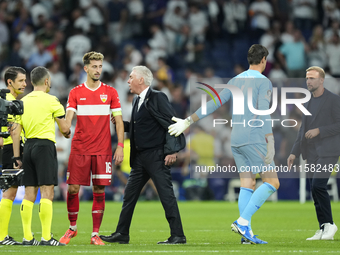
(318, 183)
(150, 164)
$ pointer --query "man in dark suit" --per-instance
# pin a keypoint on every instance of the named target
(153, 150)
(318, 141)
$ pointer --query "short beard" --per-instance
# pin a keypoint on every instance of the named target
(312, 90)
(94, 79)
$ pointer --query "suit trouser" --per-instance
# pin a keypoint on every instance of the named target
(150, 164)
(318, 182)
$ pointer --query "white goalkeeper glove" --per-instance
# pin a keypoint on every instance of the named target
(179, 127)
(270, 150)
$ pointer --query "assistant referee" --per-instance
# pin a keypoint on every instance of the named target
(40, 157)
(15, 79)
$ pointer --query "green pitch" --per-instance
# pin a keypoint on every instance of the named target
(285, 225)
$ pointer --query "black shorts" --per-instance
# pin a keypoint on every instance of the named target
(40, 163)
(7, 155)
(7, 162)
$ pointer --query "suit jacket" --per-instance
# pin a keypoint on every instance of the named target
(327, 119)
(158, 105)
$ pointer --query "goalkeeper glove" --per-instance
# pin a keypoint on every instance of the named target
(270, 150)
(179, 127)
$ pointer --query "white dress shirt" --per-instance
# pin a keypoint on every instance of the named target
(142, 96)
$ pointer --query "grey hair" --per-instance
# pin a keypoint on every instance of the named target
(143, 71)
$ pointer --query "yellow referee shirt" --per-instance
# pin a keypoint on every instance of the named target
(40, 109)
(10, 118)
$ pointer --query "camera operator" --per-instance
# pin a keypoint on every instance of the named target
(41, 110)
(15, 79)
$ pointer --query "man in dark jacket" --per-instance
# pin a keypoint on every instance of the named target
(153, 150)
(318, 141)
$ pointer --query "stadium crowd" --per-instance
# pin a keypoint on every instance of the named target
(182, 42)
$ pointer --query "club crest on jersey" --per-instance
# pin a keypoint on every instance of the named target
(103, 98)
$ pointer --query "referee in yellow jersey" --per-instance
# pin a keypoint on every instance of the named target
(15, 79)
(40, 157)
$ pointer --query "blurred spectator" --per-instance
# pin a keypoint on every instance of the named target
(172, 4)
(270, 40)
(95, 15)
(59, 82)
(14, 57)
(126, 104)
(173, 22)
(288, 35)
(334, 29)
(210, 78)
(331, 12)
(191, 46)
(154, 11)
(277, 72)
(40, 57)
(318, 37)
(46, 34)
(107, 68)
(202, 144)
(27, 40)
(198, 22)
(333, 53)
(212, 10)
(331, 83)
(163, 86)
(118, 16)
(293, 56)
(179, 102)
(134, 56)
(281, 10)
(304, 13)
(4, 32)
(260, 12)
(158, 40)
(78, 75)
(56, 47)
(277, 76)
(80, 21)
(77, 45)
(121, 85)
(20, 23)
(316, 55)
(164, 72)
(151, 56)
(39, 13)
(136, 12)
(235, 17)
(238, 69)
(2, 76)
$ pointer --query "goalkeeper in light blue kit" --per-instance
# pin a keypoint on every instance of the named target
(252, 147)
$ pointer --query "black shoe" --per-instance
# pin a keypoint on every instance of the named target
(116, 238)
(175, 240)
(8, 240)
(51, 242)
(32, 242)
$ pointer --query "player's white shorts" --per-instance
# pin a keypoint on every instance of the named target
(250, 158)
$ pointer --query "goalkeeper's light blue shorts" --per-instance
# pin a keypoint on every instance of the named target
(250, 158)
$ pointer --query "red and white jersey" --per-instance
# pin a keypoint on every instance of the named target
(93, 108)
